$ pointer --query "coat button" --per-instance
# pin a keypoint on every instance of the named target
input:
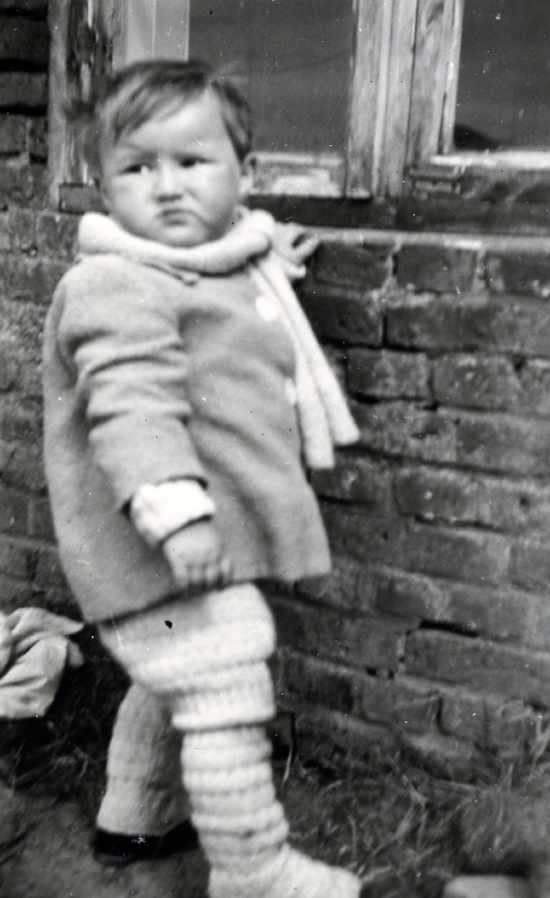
(267, 308)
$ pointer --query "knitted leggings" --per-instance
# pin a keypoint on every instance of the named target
(206, 658)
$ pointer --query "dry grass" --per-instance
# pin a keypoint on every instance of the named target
(394, 824)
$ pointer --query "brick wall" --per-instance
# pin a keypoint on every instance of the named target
(34, 246)
(434, 631)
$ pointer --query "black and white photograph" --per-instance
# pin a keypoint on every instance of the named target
(274, 449)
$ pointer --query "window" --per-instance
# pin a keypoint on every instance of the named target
(351, 99)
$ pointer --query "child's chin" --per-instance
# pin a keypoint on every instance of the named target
(182, 237)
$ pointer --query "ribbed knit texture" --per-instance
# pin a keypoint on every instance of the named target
(211, 665)
(144, 794)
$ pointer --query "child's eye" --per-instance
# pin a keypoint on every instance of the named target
(189, 161)
(137, 168)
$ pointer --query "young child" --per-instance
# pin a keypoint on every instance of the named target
(184, 394)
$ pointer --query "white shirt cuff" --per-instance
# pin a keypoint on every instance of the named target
(158, 510)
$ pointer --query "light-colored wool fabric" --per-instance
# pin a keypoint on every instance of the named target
(144, 794)
(324, 417)
(209, 664)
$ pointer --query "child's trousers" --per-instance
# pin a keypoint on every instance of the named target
(205, 660)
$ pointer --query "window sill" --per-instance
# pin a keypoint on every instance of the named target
(512, 175)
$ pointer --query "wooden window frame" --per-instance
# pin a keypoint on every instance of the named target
(403, 88)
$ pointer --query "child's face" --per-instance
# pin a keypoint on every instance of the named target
(176, 179)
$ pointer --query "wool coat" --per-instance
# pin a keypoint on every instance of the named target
(150, 378)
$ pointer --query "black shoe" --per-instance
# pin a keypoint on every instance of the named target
(118, 850)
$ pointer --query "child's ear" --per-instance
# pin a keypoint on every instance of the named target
(248, 171)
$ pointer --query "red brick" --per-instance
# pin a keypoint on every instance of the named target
(362, 537)
(28, 89)
(493, 383)
(530, 564)
(501, 613)
(346, 317)
(14, 512)
(24, 41)
(21, 465)
(455, 497)
(352, 264)
(318, 682)
(336, 740)
(23, 278)
(48, 573)
(502, 443)
(357, 480)
(489, 721)
(520, 326)
(5, 242)
(480, 664)
(359, 641)
(23, 184)
(476, 382)
(8, 366)
(17, 423)
(13, 133)
(405, 430)
(38, 138)
(437, 268)
(40, 523)
(56, 234)
(17, 560)
(350, 586)
(446, 757)
(388, 375)
(523, 273)
(400, 702)
(534, 377)
(24, 6)
(14, 593)
(436, 495)
(21, 325)
(464, 714)
(22, 229)
(467, 555)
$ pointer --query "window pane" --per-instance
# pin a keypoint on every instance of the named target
(292, 59)
(155, 28)
(504, 82)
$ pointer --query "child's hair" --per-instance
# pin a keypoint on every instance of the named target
(143, 90)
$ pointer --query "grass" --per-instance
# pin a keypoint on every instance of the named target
(396, 825)
(392, 824)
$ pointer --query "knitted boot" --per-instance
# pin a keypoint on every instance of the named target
(144, 793)
(242, 826)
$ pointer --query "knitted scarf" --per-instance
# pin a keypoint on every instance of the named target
(324, 418)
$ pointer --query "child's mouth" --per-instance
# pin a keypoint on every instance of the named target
(175, 216)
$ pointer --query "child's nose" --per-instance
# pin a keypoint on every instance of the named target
(167, 182)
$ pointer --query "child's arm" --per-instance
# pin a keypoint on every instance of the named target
(131, 368)
(177, 516)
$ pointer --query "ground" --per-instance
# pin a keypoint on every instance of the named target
(44, 845)
(389, 826)
(392, 823)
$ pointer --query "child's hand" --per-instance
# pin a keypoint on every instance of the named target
(294, 244)
(196, 558)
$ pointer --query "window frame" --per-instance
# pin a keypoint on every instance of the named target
(403, 88)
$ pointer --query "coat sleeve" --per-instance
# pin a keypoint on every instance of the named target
(121, 338)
